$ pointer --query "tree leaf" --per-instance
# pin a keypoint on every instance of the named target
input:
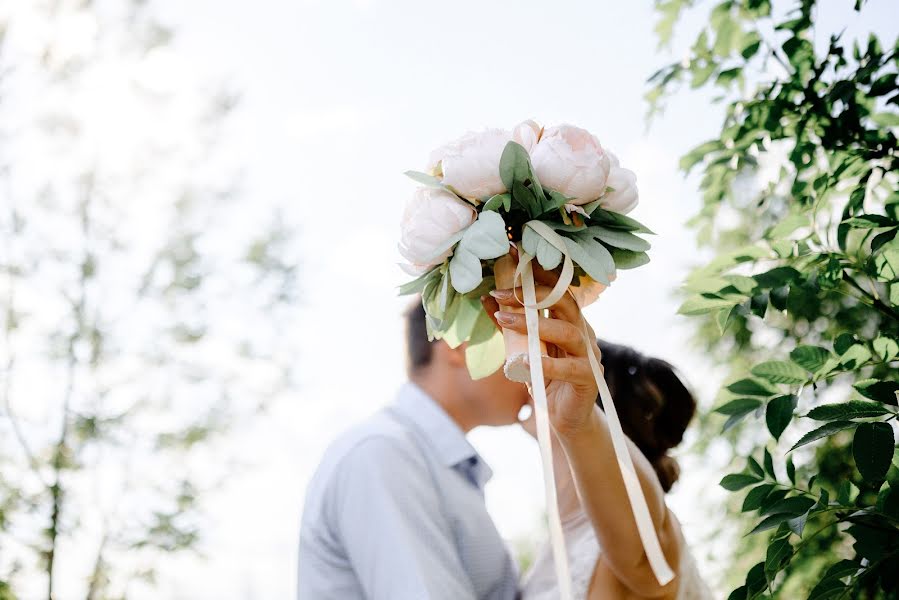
(823, 431)
(872, 448)
(739, 406)
(755, 497)
(780, 371)
(810, 358)
(705, 303)
(737, 481)
(779, 413)
(751, 387)
(854, 409)
(881, 391)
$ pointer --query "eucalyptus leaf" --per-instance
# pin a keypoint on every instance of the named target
(590, 256)
(618, 239)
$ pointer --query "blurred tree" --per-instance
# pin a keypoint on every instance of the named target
(801, 297)
(142, 305)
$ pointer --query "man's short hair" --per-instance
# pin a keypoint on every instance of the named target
(419, 349)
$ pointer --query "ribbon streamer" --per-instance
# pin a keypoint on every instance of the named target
(637, 500)
(541, 416)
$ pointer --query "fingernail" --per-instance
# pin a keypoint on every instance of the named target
(501, 294)
(504, 317)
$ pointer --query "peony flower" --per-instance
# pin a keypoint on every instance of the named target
(431, 218)
(571, 161)
(470, 165)
(527, 133)
(623, 198)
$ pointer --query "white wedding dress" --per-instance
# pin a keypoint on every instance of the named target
(583, 552)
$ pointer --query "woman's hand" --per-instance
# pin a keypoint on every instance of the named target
(570, 386)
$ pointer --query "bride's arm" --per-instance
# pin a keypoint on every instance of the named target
(604, 499)
(583, 433)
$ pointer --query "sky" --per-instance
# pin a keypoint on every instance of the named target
(338, 98)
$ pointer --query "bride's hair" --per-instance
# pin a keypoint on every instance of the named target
(653, 403)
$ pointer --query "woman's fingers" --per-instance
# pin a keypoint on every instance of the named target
(491, 306)
(566, 308)
(576, 371)
(552, 331)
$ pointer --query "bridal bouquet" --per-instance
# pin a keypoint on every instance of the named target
(559, 198)
(557, 193)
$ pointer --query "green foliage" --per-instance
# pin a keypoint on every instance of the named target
(801, 298)
(137, 304)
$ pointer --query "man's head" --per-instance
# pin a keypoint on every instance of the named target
(442, 372)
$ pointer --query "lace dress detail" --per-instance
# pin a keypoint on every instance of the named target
(583, 552)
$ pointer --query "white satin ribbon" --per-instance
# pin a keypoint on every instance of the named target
(541, 417)
(637, 500)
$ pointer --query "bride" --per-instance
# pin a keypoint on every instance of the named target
(606, 556)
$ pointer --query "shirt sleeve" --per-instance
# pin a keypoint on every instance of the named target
(388, 515)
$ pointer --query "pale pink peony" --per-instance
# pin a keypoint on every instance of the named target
(470, 165)
(527, 133)
(624, 197)
(571, 161)
(431, 218)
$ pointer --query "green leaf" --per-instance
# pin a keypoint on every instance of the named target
(751, 387)
(547, 255)
(854, 409)
(755, 467)
(497, 201)
(737, 481)
(627, 259)
(418, 284)
(791, 470)
(618, 221)
(514, 165)
(787, 226)
(793, 506)
(881, 391)
(485, 357)
(778, 556)
(810, 358)
(705, 303)
(872, 448)
(823, 431)
(885, 348)
(463, 323)
(770, 522)
(755, 496)
(778, 414)
(739, 406)
(482, 240)
(424, 178)
(769, 464)
(779, 371)
(591, 256)
(855, 356)
(618, 239)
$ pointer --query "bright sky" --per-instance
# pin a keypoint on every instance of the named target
(339, 98)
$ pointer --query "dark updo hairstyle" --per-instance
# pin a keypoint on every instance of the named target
(652, 402)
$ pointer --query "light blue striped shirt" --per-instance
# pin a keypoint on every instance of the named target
(396, 511)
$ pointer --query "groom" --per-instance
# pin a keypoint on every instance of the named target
(396, 508)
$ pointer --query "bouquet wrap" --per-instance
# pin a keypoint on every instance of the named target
(515, 343)
(560, 198)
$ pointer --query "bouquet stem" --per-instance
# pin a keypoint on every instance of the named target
(515, 367)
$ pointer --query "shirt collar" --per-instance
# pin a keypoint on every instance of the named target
(442, 433)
